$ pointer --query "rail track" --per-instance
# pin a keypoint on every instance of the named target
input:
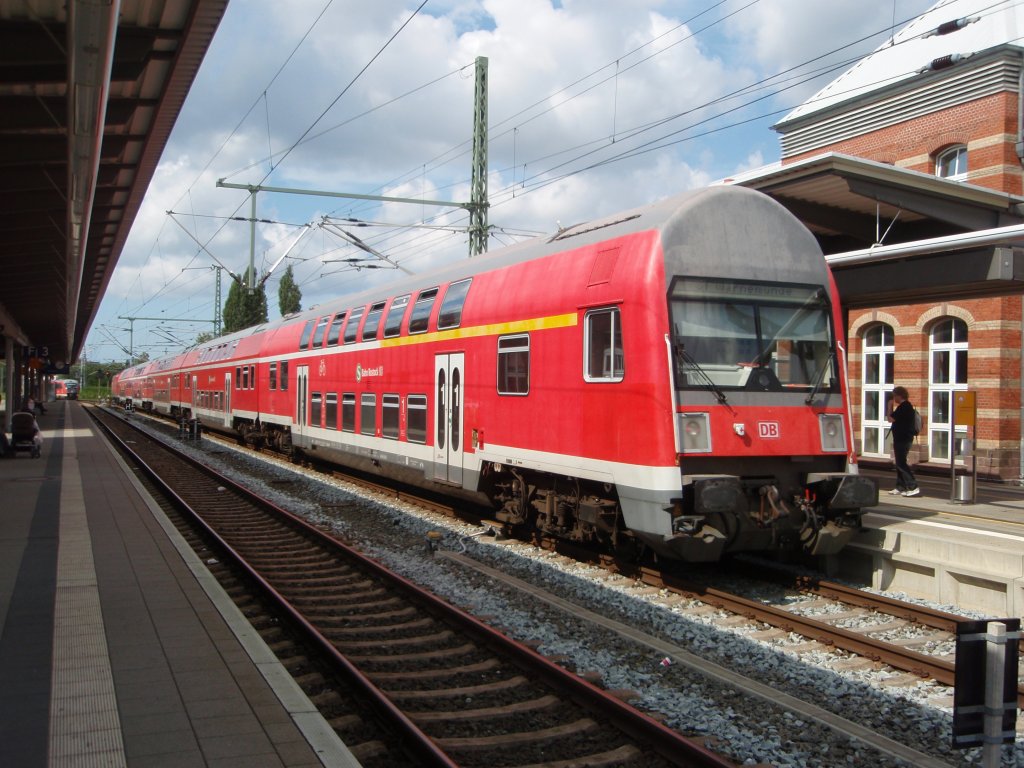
(445, 688)
(870, 616)
(820, 620)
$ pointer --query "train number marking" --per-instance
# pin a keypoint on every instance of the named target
(768, 430)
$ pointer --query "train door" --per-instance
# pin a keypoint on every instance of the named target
(227, 398)
(301, 399)
(449, 375)
(195, 395)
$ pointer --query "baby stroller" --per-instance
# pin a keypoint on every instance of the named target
(23, 434)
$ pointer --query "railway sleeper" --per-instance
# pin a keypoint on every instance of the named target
(471, 691)
(425, 675)
(402, 642)
(436, 655)
(486, 713)
(544, 736)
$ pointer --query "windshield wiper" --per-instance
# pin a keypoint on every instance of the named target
(707, 382)
(819, 379)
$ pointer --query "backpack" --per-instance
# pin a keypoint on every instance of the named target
(918, 422)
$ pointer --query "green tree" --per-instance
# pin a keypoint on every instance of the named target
(243, 309)
(289, 297)
(204, 337)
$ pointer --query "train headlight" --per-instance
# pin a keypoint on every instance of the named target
(694, 433)
(833, 432)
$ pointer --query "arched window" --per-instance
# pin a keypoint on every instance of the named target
(947, 373)
(879, 352)
(951, 163)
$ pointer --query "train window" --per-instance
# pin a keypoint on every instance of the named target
(331, 410)
(252, 377)
(420, 317)
(396, 313)
(368, 414)
(416, 418)
(245, 377)
(751, 335)
(373, 321)
(514, 365)
(335, 333)
(238, 378)
(283, 382)
(307, 334)
(603, 357)
(352, 326)
(321, 329)
(390, 408)
(315, 409)
(348, 412)
(273, 376)
(450, 315)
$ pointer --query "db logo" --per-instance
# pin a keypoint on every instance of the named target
(768, 430)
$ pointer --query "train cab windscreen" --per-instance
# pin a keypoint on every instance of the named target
(746, 335)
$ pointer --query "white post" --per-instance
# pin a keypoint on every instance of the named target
(995, 664)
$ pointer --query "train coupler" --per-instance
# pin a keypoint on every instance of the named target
(843, 492)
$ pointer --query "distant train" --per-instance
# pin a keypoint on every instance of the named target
(65, 389)
(671, 377)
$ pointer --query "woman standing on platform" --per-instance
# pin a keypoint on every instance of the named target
(904, 430)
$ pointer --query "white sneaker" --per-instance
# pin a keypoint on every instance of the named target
(895, 492)
(914, 492)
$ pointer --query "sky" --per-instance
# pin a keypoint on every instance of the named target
(594, 106)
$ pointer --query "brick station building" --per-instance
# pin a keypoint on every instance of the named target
(926, 132)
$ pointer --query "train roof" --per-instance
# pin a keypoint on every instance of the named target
(674, 213)
(668, 214)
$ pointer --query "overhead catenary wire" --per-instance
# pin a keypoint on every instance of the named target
(544, 173)
(325, 111)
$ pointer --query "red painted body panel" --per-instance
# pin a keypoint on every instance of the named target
(618, 434)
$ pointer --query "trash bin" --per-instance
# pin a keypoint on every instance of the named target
(963, 489)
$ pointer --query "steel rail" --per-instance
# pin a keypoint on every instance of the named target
(419, 743)
(665, 741)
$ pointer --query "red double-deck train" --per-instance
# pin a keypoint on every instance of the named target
(65, 389)
(670, 377)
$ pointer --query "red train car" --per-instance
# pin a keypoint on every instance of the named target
(65, 389)
(671, 377)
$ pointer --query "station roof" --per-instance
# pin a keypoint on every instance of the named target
(850, 203)
(89, 92)
(949, 31)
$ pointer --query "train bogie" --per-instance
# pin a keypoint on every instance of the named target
(670, 378)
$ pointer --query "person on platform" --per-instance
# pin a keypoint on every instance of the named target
(903, 433)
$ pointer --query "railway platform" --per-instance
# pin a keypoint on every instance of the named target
(117, 648)
(965, 555)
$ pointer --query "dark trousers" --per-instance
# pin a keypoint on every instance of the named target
(905, 479)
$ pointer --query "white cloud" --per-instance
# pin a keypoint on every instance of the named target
(626, 89)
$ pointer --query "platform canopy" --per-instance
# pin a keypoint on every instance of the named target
(89, 92)
(850, 204)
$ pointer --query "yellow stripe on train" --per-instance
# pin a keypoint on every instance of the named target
(494, 329)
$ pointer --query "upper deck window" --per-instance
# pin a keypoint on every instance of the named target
(352, 326)
(420, 317)
(451, 308)
(730, 334)
(307, 334)
(396, 313)
(321, 329)
(373, 321)
(335, 333)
